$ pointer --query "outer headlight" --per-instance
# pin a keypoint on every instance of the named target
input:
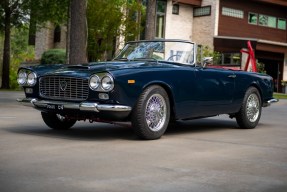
(107, 83)
(94, 82)
(22, 77)
(32, 79)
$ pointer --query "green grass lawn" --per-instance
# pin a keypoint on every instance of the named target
(280, 96)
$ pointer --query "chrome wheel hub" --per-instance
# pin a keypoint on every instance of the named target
(155, 113)
(253, 108)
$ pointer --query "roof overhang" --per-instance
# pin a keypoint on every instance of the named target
(227, 44)
(275, 2)
(189, 2)
(232, 44)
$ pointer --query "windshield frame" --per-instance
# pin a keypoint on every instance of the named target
(191, 58)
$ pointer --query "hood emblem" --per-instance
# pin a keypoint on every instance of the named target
(63, 85)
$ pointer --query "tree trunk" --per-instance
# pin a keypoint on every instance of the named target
(6, 51)
(150, 20)
(78, 32)
(139, 19)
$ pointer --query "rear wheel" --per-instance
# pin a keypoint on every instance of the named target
(151, 114)
(250, 111)
(56, 121)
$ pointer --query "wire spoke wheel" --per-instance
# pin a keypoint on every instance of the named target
(250, 111)
(155, 112)
(252, 107)
(150, 116)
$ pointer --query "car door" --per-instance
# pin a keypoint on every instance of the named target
(215, 89)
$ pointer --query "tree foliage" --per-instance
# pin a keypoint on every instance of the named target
(15, 13)
(107, 20)
(20, 52)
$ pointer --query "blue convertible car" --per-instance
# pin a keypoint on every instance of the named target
(150, 84)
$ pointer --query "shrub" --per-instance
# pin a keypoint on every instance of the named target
(54, 56)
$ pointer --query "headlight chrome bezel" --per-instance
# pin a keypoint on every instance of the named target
(94, 79)
(27, 78)
(31, 81)
(106, 82)
(22, 77)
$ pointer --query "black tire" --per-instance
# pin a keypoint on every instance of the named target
(150, 116)
(56, 121)
(250, 111)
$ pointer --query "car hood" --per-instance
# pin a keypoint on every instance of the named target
(85, 70)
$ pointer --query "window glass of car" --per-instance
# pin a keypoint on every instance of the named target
(168, 51)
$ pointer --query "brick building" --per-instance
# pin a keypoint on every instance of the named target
(50, 37)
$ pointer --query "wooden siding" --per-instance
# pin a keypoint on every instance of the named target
(236, 27)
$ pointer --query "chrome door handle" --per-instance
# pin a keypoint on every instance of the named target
(232, 76)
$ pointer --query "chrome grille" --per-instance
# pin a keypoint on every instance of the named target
(64, 88)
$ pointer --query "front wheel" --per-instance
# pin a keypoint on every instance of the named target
(56, 121)
(250, 111)
(151, 114)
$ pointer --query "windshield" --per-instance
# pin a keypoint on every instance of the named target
(169, 51)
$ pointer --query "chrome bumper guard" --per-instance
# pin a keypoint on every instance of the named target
(83, 106)
(269, 102)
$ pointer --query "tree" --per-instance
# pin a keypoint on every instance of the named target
(150, 20)
(77, 29)
(109, 20)
(14, 13)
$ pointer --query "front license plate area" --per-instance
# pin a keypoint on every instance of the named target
(55, 107)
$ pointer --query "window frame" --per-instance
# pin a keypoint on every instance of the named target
(239, 13)
(203, 7)
(256, 18)
(267, 21)
(278, 23)
(175, 9)
(158, 15)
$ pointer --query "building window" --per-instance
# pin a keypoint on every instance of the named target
(160, 18)
(175, 9)
(267, 21)
(252, 18)
(281, 24)
(228, 59)
(232, 12)
(57, 34)
(202, 11)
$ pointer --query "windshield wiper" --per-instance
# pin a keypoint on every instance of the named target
(121, 59)
(145, 59)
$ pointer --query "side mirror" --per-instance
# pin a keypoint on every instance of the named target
(207, 61)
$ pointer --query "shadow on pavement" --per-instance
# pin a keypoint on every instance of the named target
(102, 132)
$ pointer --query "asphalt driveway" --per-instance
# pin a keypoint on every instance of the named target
(201, 155)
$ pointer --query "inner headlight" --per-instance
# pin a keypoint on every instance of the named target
(22, 77)
(32, 79)
(107, 83)
(94, 82)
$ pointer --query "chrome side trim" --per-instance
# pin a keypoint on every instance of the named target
(269, 102)
(107, 107)
(29, 102)
(89, 107)
(83, 106)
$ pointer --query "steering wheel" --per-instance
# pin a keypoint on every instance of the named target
(169, 59)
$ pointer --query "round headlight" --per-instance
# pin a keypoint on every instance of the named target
(107, 83)
(32, 79)
(94, 82)
(22, 77)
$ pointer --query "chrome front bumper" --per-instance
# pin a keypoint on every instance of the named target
(269, 102)
(83, 106)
